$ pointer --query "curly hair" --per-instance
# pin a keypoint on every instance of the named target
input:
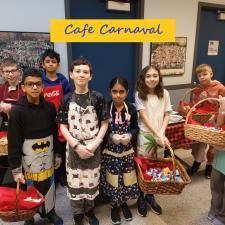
(141, 86)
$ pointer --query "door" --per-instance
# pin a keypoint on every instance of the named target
(211, 29)
(108, 59)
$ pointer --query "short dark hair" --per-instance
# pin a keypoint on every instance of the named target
(31, 72)
(51, 54)
(119, 80)
(9, 62)
(81, 61)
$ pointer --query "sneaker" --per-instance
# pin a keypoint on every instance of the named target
(54, 218)
(78, 219)
(211, 216)
(92, 218)
(216, 222)
(194, 168)
(115, 215)
(29, 222)
(208, 171)
(126, 212)
(142, 207)
(156, 208)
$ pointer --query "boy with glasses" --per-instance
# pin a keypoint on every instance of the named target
(33, 151)
(10, 92)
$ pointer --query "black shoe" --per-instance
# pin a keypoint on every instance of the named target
(54, 218)
(115, 215)
(142, 207)
(126, 212)
(208, 171)
(156, 208)
(92, 218)
(78, 219)
(29, 222)
(194, 168)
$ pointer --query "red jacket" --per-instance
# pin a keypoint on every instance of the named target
(212, 91)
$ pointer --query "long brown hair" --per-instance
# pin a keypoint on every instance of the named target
(142, 88)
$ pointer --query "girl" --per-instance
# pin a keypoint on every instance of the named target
(153, 104)
(118, 173)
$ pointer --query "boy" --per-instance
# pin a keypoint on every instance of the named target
(207, 88)
(83, 118)
(217, 210)
(10, 92)
(55, 86)
(32, 133)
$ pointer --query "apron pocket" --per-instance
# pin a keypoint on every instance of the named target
(112, 179)
(130, 178)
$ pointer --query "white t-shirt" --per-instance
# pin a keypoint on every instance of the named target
(155, 108)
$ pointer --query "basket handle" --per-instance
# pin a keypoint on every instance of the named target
(17, 196)
(173, 161)
(193, 107)
(187, 92)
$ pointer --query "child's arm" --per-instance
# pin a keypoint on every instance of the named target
(165, 123)
(80, 149)
(98, 140)
(221, 115)
(15, 143)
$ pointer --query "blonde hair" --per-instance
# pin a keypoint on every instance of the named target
(204, 67)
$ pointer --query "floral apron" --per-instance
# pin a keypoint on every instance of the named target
(118, 176)
(82, 174)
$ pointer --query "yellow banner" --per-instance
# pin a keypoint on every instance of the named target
(105, 30)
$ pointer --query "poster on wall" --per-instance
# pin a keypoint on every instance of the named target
(25, 47)
(213, 47)
(169, 57)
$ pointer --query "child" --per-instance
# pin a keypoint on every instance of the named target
(207, 88)
(83, 118)
(119, 180)
(31, 141)
(55, 86)
(10, 92)
(153, 104)
(217, 210)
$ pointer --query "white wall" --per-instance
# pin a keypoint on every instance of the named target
(185, 13)
(33, 16)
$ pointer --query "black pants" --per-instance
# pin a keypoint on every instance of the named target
(3, 167)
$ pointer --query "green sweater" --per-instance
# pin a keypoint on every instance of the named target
(219, 161)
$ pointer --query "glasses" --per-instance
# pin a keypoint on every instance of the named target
(7, 72)
(32, 84)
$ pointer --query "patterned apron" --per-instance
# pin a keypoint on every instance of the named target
(82, 174)
(38, 168)
(119, 179)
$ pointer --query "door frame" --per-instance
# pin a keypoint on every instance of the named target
(139, 49)
(201, 6)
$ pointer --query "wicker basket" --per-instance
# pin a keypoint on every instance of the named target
(199, 117)
(164, 187)
(18, 214)
(204, 134)
(3, 146)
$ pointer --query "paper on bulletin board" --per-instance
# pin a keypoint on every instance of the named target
(213, 47)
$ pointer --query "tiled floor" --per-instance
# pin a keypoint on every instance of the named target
(188, 208)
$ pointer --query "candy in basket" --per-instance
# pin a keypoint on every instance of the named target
(172, 185)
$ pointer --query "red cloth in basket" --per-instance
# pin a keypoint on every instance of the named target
(27, 199)
(145, 164)
(3, 134)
